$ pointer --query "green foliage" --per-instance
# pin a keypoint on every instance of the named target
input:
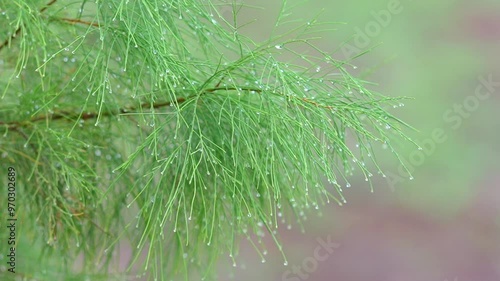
(156, 126)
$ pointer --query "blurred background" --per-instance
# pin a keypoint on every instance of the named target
(445, 223)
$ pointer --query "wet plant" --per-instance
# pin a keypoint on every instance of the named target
(158, 132)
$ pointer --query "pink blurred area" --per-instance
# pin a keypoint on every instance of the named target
(388, 242)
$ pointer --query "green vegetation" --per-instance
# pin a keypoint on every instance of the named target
(156, 127)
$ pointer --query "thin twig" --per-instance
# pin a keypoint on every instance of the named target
(78, 21)
(48, 5)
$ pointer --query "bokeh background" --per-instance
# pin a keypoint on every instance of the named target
(445, 223)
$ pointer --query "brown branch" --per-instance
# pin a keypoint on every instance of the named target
(78, 21)
(306, 100)
(15, 125)
(48, 5)
(18, 31)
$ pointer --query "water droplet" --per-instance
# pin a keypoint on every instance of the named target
(279, 47)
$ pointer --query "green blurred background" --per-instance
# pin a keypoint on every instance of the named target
(445, 223)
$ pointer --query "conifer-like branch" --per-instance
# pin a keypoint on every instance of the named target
(222, 139)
